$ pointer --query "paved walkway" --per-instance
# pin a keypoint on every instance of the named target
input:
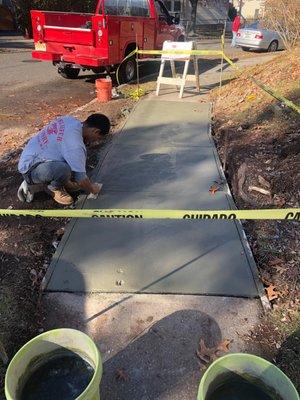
(164, 158)
(153, 339)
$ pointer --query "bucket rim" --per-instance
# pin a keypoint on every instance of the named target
(243, 355)
(23, 350)
(103, 80)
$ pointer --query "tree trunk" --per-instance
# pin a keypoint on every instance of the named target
(194, 4)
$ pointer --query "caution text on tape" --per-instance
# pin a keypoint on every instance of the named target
(268, 214)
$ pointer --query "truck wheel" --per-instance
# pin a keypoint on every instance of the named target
(128, 70)
(69, 73)
(245, 48)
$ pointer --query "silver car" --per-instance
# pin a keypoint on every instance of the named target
(256, 37)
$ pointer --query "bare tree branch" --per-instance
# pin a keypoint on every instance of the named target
(283, 16)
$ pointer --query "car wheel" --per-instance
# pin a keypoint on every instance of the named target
(245, 48)
(69, 73)
(128, 70)
(273, 46)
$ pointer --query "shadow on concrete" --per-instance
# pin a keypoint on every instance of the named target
(15, 43)
(151, 360)
(149, 70)
(146, 288)
(162, 363)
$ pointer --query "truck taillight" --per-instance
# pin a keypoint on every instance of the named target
(259, 36)
(100, 34)
(39, 29)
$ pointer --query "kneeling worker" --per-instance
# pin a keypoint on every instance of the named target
(56, 157)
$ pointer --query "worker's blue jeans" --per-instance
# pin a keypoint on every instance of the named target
(55, 173)
(233, 41)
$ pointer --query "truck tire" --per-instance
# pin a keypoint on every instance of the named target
(128, 70)
(69, 73)
(245, 48)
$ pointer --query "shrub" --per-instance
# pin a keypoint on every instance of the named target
(283, 16)
(23, 7)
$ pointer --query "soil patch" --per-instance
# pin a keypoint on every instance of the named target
(258, 140)
(27, 244)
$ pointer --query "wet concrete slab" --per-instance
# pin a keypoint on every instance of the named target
(147, 167)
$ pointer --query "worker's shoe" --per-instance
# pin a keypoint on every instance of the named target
(24, 193)
(72, 187)
(60, 196)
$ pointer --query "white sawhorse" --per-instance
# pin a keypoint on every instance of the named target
(177, 79)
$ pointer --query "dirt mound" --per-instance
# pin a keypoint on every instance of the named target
(258, 140)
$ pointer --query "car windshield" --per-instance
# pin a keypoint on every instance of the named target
(137, 8)
(254, 25)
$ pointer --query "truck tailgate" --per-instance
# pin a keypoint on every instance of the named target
(68, 35)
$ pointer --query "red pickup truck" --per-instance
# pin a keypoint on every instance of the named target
(100, 41)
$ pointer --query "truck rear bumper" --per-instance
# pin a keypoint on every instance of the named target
(72, 59)
(43, 55)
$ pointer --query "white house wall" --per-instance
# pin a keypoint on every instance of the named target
(249, 8)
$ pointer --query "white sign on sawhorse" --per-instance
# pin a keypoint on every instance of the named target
(177, 79)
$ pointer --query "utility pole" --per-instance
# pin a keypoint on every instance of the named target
(240, 6)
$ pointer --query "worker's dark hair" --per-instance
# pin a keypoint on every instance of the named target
(99, 121)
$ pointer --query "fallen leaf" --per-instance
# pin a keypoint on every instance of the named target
(276, 261)
(279, 265)
(55, 244)
(213, 189)
(278, 200)
(265, 281)
(280, 269)
(60, 232)
(33, 275)
(272, 294)
(37, 253)
(224, 345)
(121, 375)
(251, 97)
(205, 353)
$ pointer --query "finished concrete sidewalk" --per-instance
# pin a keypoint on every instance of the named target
(164, 158)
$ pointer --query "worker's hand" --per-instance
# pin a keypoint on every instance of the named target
(96, 187)
(89, 187)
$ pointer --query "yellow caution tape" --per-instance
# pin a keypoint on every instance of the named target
(220, 53)
(182, 52)
(268, 214)
(223, 41)
(124, 59)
